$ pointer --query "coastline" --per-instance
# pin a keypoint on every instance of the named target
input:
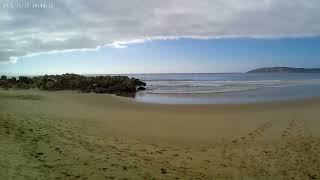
(118, 137)
(228, 88)
(261, 95)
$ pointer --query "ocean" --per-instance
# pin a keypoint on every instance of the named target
(228, 88)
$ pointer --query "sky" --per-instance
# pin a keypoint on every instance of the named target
(153, 36)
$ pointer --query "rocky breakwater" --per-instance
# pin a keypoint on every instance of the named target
(119, 85)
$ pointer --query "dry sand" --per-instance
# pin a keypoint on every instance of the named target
(66, 135)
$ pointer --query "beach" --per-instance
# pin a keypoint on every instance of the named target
(70, 135)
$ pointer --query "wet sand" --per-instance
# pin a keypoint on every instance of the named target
(67, 135)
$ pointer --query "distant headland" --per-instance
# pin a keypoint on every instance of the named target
(284, 70)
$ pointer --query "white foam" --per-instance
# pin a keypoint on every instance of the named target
(189, 87)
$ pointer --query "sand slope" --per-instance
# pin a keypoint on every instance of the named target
(66, 135)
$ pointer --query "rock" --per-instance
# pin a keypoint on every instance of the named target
(2, 82)
(85, 90)
(12, 80)
(139, 83)
(4, 78)
(26, 80)
(141, 88)
(119, 85)
(100, 90)
(49, 85)
(163, 171)
(6, 86)
(22, 85)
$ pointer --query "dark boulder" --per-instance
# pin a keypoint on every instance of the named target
(6, 86)
(6, 83)
(141, 88)
(12, 80)
(26, 80)
(2, 82)
(138, 82)
(22, 85)
(4, 78)
(100, 90)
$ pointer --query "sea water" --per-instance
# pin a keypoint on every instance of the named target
(229, 88)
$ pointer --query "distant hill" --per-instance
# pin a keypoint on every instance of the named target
(284, 70)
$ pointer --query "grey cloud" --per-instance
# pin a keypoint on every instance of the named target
(78, 24)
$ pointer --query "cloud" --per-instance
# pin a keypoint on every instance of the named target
(81, 25)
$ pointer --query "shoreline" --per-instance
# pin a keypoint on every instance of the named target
(133, 100)
(271, 102)
(99, 136)
(262, 95)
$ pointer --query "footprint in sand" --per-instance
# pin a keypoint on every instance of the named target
(175, 155)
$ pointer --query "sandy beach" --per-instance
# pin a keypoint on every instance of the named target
(70, 135)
